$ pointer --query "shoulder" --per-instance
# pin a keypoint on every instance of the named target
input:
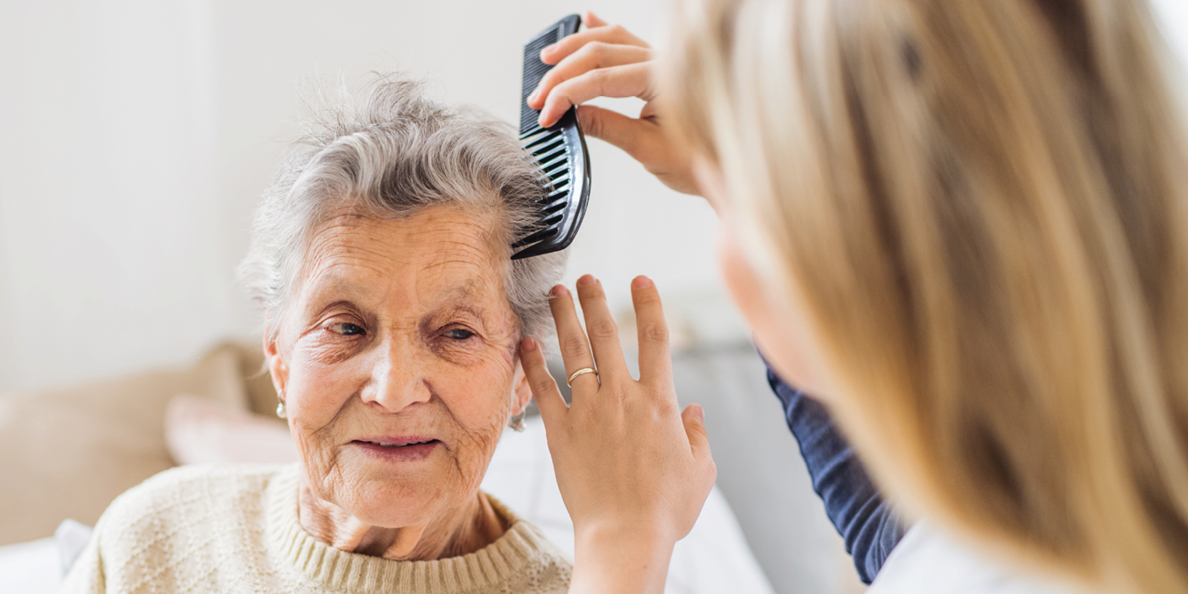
(197, 475)
(185, 496)
(182, 526)
(929, 561)
(190, 485)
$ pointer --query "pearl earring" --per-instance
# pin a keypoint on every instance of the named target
(517, 421)
(280, 407)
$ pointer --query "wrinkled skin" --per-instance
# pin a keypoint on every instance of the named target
(399, 328)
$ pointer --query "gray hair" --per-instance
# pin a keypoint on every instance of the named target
(390, 156)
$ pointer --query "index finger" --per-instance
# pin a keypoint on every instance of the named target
(544, 387)
(575, 347)
(631, 80)
(614, 34)
(591, 57)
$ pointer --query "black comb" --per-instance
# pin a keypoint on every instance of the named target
(559, 151)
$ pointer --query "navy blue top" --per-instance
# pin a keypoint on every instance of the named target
(852, 501)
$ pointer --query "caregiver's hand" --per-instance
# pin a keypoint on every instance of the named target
(608, 61)
(633, 470)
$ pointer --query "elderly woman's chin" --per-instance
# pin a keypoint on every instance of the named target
(395, 489)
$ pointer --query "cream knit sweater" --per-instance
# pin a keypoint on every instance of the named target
(235, 529)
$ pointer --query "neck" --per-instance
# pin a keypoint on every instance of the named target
(459, 531)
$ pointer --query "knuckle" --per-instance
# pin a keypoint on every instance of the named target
(654, 332)
(619, 394)
(573, 347)
(587, 48)
(562, 89)
(604, 329)
(596, 48)
(542, 385)
(599, 77)
(665, 409)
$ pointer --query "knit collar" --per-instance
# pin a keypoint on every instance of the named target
(332, 569)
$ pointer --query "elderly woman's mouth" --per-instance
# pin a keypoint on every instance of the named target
(402, 449)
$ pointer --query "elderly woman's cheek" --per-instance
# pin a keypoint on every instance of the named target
(483, 408)
(319, 456)
(478, 447)
(321, 386)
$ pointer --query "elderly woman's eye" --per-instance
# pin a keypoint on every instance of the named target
(459, 333)
(345, 329)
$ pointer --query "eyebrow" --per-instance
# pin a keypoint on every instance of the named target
(335, 284)
(464, 291)
(353, 290)
(460, 298)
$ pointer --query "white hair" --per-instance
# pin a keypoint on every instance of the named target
(389, 156)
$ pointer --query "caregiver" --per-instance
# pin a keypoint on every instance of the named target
(962, 225)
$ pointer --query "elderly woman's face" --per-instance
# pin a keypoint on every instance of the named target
(397, 363)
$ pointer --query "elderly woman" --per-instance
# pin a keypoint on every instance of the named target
(381, 257)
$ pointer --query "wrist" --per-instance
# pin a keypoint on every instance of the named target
(623, 559)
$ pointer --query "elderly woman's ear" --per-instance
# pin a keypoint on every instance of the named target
(276, 366)
(521, 390)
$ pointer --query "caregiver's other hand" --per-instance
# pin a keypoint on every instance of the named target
(633, 470)
(608, 61)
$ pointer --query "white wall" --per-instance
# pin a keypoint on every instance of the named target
(136, 135)
(1174, 19)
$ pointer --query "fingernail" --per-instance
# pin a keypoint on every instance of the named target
(545, 50)
(528, 344)
(559, 291)
(532, 97)
(697, 412)
(641, 282)
(586, 280)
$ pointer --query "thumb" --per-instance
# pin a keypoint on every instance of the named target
(693, 418)
(628, 134)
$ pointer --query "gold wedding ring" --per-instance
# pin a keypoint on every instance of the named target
(574, 375)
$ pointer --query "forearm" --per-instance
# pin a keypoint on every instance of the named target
(852, 501)
(620, 561)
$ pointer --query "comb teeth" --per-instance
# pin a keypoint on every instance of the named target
(559, 154)
(551, 155)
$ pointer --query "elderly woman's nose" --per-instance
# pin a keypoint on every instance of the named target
(397, 380)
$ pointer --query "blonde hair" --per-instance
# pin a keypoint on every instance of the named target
(981, 206)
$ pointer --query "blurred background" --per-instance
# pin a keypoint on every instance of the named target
(137, 135)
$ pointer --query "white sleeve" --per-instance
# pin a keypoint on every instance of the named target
(928, 561)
